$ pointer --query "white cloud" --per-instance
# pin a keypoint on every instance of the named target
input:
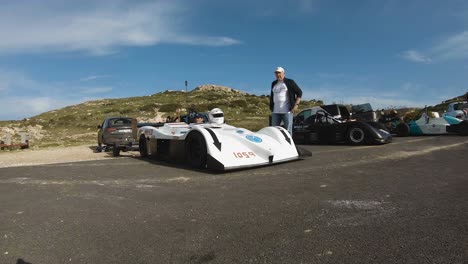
(415, 56)
(407, 94)
(96, 90)
(208, 41)
(99, 27)
(378, 102)
(23, 97)
(92, 78)
(16, 108)
(308, 6)
(411, 87)
(454, 47)
(11, 80)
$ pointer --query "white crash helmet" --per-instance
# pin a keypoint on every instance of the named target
(216, 116)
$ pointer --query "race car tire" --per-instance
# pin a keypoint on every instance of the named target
(402, 130)
(143, 146)
(115, 151)
(195, 149)
(356, 136)
(463, 128)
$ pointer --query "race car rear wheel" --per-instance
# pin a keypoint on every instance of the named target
(402, 130)
(143, 146)
(356, 136)
(195, 150)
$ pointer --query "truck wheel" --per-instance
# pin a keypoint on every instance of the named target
(402, 130)
(195, 149)
(143, 146)
(356, 136)
(115, 151)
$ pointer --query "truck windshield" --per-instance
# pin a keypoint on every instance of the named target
(361, 108)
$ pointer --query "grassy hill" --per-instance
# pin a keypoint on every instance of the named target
(77, 124)
(443, 106)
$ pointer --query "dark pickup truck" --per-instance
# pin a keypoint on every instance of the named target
(364, 112)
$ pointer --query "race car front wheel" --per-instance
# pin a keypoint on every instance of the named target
(356, 136)
(195, 150)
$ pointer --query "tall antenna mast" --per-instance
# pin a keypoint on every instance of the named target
(186, 95)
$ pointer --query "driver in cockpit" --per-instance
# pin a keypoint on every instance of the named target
(198, 119)
(216, 116)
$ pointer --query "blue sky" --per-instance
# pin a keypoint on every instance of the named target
(388, 52)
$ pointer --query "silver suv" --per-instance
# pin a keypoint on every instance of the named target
(118, 133)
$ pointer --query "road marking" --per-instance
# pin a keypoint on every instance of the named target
(396, 155)
(139, 184)
(405, 154)
(412, 140)
(349, 204)
(343, 148)
(179, 179)
(87, 164)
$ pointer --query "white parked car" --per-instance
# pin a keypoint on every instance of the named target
(458, 110)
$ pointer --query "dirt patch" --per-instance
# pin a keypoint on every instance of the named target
(30, 157)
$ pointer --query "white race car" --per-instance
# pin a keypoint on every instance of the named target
(216, 145)
(431, 124)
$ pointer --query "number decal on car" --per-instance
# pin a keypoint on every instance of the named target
(242, 155)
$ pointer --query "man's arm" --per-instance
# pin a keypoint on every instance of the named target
(298, 93)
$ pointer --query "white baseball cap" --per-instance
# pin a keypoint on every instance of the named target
(279, 69)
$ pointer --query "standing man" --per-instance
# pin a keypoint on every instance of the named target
(284, 100)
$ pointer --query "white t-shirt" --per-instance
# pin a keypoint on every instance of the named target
(280, 98)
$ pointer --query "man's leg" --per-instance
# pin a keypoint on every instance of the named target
(284, 121)
(275, 119)
(288, 121)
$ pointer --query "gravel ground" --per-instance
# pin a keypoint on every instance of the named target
(29, 157)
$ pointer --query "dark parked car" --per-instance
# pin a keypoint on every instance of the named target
(317, 126)
(118, 133)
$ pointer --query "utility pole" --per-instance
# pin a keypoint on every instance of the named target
(186, 95)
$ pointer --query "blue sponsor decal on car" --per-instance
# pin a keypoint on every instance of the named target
(254, 138)
(240, 131)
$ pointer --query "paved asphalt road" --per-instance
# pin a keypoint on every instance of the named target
(405, 202)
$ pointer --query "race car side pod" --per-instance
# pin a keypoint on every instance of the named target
(303, 152)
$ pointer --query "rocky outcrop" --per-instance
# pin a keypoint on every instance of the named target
(214, 87)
